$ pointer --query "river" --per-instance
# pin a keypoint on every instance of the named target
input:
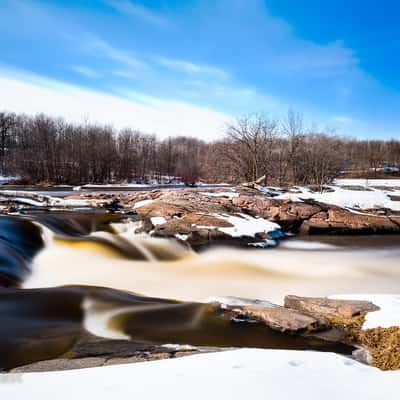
(66, 273)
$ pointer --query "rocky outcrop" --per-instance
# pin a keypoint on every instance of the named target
(311, 217)
(340, 221)
(199, 217)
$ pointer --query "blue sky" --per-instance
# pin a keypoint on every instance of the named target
(188, 67)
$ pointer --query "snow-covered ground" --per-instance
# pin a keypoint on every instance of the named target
(368, 182)
(342, 197)
(238, 374)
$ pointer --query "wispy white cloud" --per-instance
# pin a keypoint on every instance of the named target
(139, 11)
(95, 43)
(86, 71)
(308, 58)
(191, 68)
(31, 94)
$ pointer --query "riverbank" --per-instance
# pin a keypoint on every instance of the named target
(245, 216)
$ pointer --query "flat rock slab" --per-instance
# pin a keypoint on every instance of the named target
(329, 307)
(280, 319)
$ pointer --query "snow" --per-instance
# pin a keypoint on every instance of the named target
(222, 184)
(373, 198)
(5, 178)
(157, 220)
(179, 347)
(246, 225)
(235, 374)
(264, 244)
(239, 301)
(181, 236)
(142, 203)
(368, 182)
(387, 316)
(30, 202)
(55, 201)
(229, 195)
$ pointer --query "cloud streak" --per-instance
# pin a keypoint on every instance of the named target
(86, 71)
(101, 46)
(140, 12)
(191, 68)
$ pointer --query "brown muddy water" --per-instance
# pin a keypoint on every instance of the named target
(66, 273)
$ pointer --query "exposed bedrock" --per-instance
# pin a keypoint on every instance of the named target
(311, 217)
(200, 217)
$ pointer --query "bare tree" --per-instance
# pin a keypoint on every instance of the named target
(253, 139)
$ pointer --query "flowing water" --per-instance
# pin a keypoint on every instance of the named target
(66, 273)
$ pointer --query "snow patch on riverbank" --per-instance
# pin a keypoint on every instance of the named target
(358, 199)
(246, 225)
(368, 182)
(237, 374)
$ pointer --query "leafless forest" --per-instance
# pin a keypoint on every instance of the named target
(44, 149)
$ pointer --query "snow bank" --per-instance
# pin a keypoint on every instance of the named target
(373, 198)
(238, 374)
(368, 182)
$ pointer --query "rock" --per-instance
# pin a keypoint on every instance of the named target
(280, 319)
(199, 228)
(159, 208)
(61, 364)
(338, 221)
(92, 351)
(329, 307)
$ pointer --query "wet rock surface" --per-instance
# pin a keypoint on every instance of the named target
(92, 351)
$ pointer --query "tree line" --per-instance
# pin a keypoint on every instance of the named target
(46, 149)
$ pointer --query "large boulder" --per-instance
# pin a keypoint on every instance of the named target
(341, 221)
